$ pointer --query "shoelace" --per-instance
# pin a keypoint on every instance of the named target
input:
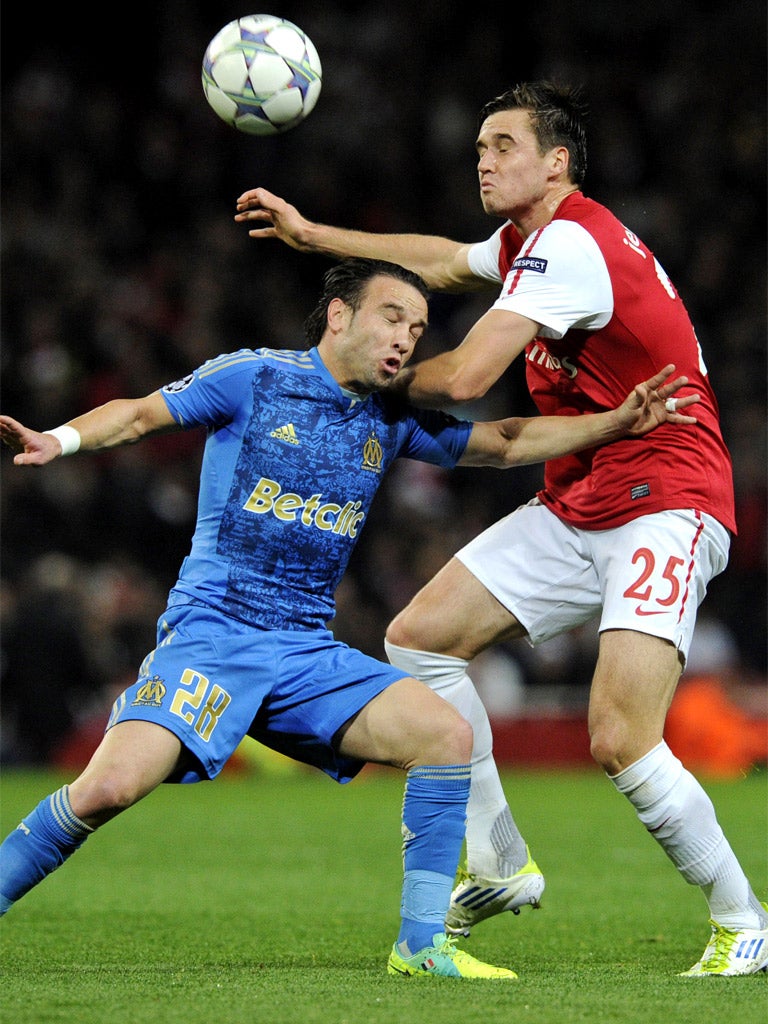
(723, 940)
(462, 875)
(449, 946)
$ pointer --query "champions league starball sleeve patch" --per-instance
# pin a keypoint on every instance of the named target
(179, 385)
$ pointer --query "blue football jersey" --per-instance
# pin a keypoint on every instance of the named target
(290, 468)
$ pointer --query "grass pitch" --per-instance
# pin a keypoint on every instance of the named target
(275, 897)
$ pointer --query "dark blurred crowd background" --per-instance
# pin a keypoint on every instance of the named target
(123, 269)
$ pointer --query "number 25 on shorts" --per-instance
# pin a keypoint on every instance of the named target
(667, 586)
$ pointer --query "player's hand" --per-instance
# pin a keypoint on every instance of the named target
(646, 407)
(273, 218)
(32, 448)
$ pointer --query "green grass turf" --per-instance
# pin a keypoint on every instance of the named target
(274, 899)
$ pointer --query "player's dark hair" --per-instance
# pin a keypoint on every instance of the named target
(558, 118)
(347, 281)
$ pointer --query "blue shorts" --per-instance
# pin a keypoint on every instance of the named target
(213, 679)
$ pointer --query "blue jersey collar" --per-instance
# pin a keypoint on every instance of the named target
(350, 397)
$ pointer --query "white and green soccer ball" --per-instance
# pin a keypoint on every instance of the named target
(261, 74)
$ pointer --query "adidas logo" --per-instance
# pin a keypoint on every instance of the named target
(749, 948)
(476, 896)
(286, 433)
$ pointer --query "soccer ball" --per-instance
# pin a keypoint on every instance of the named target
(261, 74)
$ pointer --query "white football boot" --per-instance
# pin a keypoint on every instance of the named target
(475, 898)
(731, 953)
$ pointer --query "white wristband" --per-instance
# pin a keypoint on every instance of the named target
(68, 438)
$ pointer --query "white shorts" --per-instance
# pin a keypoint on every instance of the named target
(649, 575)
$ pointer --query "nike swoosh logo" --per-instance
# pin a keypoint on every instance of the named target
(639, 611)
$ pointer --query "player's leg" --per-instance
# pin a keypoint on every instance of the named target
(500, 872)
(434, 638)
(131, 760)
(476, 600)
(633, 686)
(489, 817)
(152, 735)
(409, 726)
(627, 710)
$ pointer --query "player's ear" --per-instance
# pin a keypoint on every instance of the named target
(560, 160)
(339, 315)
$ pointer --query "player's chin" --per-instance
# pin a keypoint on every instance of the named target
(487, 198)
(390, 382)
(387, 374)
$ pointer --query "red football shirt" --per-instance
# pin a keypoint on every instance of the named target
(610, 318)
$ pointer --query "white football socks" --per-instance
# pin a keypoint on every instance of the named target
(495, 847)
(681, 818)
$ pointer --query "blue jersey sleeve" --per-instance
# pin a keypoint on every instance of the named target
(436, 437)
(214, 393)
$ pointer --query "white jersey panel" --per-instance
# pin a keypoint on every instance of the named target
(483, 257)
(560, 280)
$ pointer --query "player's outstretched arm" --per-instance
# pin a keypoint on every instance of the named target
(122, 421)
(441, 262)
(519, 441)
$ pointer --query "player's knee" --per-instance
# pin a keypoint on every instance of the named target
(463, 736)
(618, 740)
(98, 798)
(401, 633)
(609, 748)
(450, 740)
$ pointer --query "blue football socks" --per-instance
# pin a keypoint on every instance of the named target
(40, 843)
(434, 823)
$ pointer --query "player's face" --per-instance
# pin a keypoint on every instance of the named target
(380, 335)
(514, 175)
